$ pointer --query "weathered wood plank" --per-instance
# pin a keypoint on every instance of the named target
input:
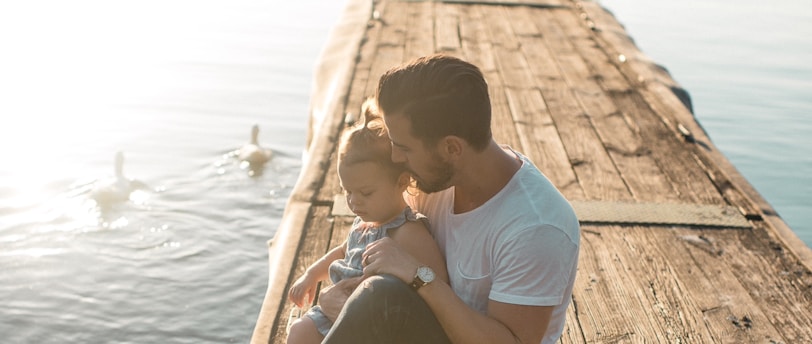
(391, 43)
(313, 245)
(446, 29)
(536, 128)
(510, 3)
(500, 31)
(359, 90)
(780, 286)
(715, 322)
(506, 76)
(513, 65)
(506, 133)
(540, 139)
(620, 136)
(721, 298)
(593, 166)
(544, 67)
(609, 305)
(341, 228)
(691, 184)
(572, 333)
(419, 38)
(475, 48)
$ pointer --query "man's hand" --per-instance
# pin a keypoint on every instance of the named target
(385, 256)
(333, 298)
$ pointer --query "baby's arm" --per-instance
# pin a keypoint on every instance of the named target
(304, 289)
(416, 240)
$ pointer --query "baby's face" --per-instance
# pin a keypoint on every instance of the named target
(371, 193)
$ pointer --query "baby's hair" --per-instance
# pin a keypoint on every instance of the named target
(368, 141)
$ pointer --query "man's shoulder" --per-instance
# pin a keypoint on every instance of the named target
(530, 183)
(538, 202)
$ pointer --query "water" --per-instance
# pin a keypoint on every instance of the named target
(176, 85)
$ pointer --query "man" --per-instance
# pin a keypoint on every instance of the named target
(509, 237)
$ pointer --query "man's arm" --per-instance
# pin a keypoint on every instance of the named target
(528, 323)
(504, 323)
(416, 240)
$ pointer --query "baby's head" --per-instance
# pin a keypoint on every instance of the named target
(373, 184)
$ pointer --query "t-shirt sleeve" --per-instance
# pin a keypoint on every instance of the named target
(534, 267)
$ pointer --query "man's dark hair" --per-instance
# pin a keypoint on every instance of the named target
(440, 95)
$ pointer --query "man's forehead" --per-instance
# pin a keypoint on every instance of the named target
(397, 126)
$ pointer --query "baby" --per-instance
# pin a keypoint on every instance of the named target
(374, 187)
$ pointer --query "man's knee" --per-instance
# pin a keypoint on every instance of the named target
(380, 290)
(384, 284)
(384, 309)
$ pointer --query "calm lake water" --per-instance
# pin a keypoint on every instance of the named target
(177, 85)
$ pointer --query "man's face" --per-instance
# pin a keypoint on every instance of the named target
(427, 167)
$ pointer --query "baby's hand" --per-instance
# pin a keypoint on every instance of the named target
(303, 291)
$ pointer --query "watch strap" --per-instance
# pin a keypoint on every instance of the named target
(424, 275)
(418, 282)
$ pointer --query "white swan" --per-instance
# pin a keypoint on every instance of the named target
(117, 189)
(252, 152)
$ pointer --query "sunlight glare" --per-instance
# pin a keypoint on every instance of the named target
(69, 70)
(37, 252)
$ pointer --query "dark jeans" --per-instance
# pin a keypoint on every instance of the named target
(386, 310)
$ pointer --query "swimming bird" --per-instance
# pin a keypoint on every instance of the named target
(252, 152)
(116, 189)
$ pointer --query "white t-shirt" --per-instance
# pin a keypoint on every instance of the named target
(520, 247)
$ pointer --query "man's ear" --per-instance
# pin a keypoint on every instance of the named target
(452, 146)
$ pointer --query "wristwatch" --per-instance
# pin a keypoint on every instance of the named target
(423, 276)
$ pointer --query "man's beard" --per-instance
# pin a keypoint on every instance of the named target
(442, 170)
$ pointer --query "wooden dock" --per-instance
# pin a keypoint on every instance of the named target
(676, 246)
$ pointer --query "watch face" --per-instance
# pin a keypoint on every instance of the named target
(425, 273)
